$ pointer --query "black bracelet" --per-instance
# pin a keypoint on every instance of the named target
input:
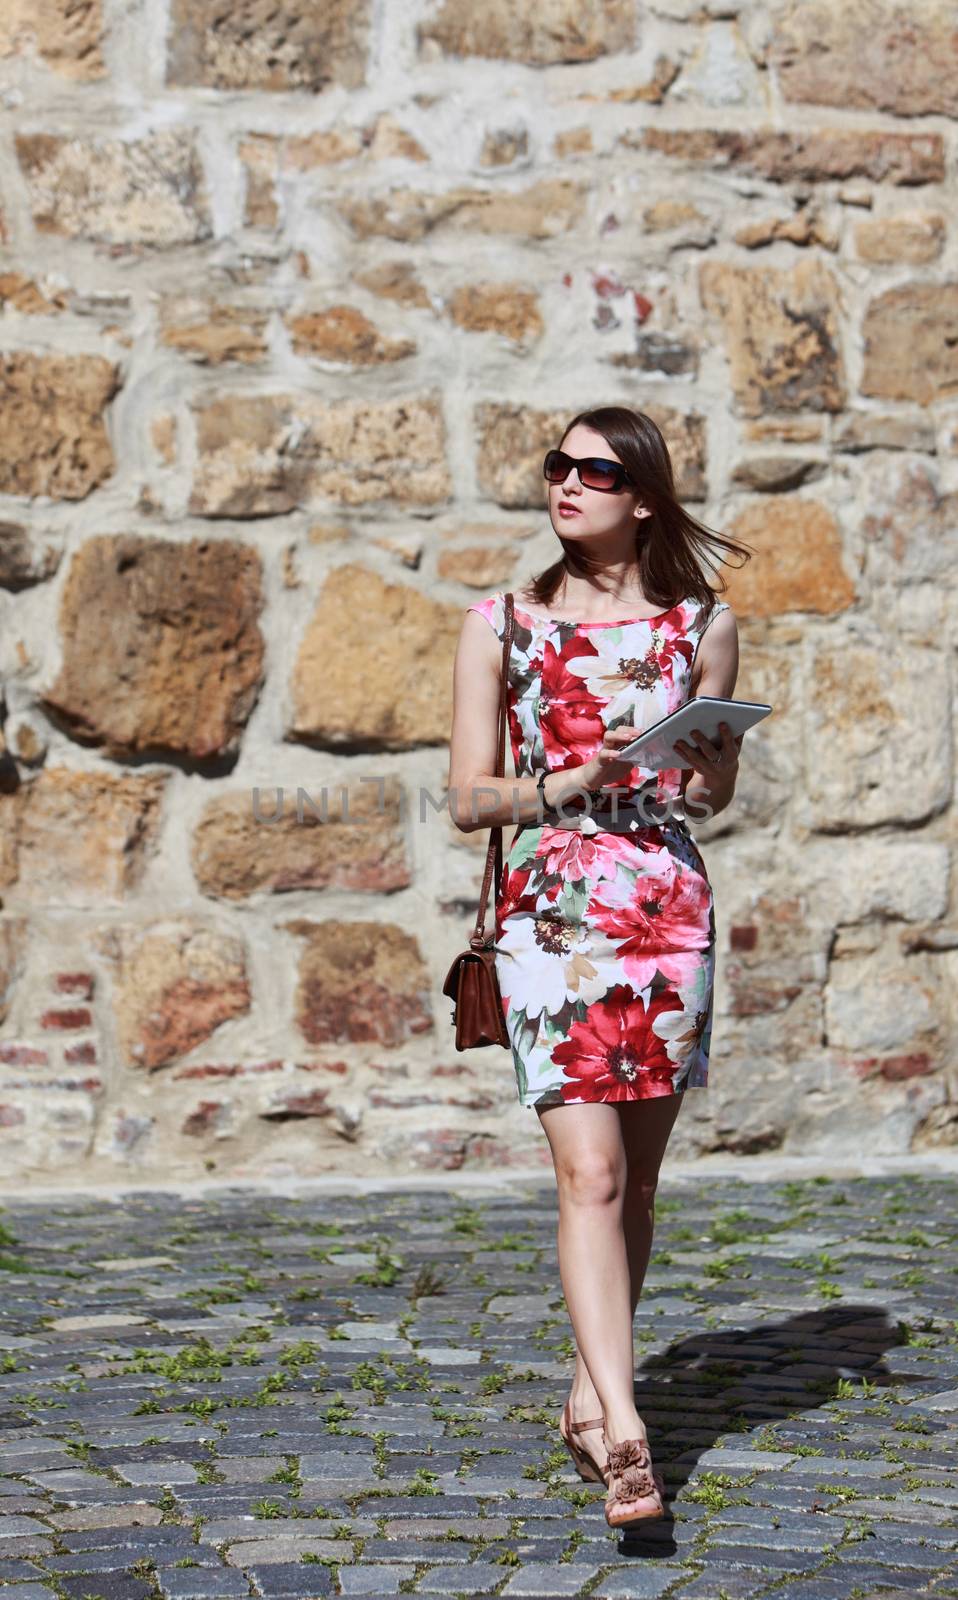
(540, 788)
(595, 795)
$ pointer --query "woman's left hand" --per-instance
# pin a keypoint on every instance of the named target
(707, 758)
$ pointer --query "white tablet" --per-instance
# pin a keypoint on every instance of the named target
(655, 748)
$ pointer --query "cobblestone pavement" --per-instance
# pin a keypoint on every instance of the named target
(254, 1394)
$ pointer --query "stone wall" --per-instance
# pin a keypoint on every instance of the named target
(293, 299)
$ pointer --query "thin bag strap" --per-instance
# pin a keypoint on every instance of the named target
(494, 853)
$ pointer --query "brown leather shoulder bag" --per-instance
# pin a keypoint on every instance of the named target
(471, 982)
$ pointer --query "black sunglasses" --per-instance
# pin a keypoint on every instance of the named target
(594, 471)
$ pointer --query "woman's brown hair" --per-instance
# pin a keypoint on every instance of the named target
(669, 543)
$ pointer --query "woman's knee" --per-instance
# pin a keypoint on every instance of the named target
(591, 1178)
(642, 1183)
(646, 1129)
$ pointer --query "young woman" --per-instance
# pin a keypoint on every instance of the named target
(605, 929)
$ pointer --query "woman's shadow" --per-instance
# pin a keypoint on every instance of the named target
(720, 1381)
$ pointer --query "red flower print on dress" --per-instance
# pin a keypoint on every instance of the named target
(658, 923)
(568, 718)
(613, 1054)
(515, 734)
(574, 856)
(511, 891)
(672, 642)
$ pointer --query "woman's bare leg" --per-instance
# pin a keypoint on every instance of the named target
(600, 1141)
(646, 1129)
(606, 1159)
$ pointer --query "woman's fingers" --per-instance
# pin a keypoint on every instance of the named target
(613, 741)
(700, 747)
(730, 746)
(701, 750)
(711, 754)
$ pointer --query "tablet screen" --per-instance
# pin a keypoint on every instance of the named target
(655, 748)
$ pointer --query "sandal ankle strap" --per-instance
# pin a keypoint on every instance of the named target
(578, 1427)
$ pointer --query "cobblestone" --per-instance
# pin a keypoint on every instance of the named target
(202, 1583)
(246, 1394)
(545, 1578)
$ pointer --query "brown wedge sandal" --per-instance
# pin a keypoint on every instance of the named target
(586, 1467)
(632, 1483)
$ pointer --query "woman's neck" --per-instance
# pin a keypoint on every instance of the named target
(586, 602)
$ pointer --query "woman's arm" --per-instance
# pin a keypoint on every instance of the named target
(477, 799)
(714, 672)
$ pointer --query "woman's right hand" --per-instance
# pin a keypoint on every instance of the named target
(605, 769)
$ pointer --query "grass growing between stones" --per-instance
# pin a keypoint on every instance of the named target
(430, 1268)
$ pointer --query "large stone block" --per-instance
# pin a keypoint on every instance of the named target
(874, 732)
(909, 525)
(361, 982)
(407, 701)
(507, 309)
(146, 192)
(161, 646)
(776, 474)
(824, 885)
(781, 330)
(878, 1001)
(881, 878)
(262, 44)
(538, 32)
(66, 35)
(860, 431)
(211, 333)
(53, 419)
(798, 563)
(889, 55)
(273, 841)
(910, 335)
(913, 238)
(175, 983)
(79, 838)
(541, 211)
(749, 1106)
(262, 455)
(812, 155)
(346, 336)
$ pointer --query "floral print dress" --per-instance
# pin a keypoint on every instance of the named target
(604, 927)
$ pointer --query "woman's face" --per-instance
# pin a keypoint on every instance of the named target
(597, 512)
